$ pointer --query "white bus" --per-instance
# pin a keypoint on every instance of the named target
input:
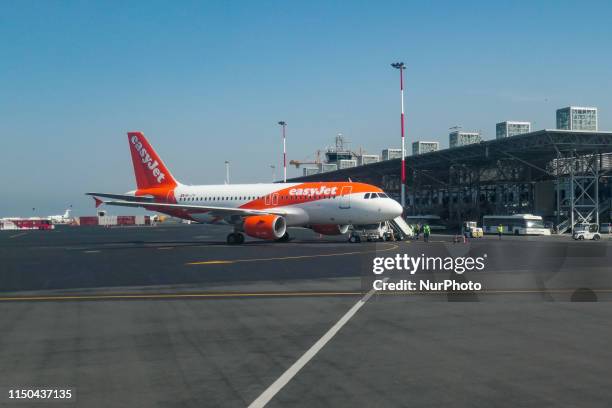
(517, 224)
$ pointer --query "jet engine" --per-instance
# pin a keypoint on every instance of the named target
(265, 226)
(330, 229)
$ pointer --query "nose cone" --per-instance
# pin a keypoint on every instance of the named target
(394, 209)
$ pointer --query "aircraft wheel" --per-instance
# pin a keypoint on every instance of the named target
(354, 239)
(284, 238)
(235, 238)
(596, 237)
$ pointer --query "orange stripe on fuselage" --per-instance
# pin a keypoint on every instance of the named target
(308, 192)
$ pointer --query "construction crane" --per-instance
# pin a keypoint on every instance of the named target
(298, 163)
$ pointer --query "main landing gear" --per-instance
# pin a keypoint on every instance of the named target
(284, 238)
(235, 238)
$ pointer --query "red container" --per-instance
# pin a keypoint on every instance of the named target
(88, 221)
(126, 220)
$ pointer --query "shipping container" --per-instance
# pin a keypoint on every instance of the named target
(126, 220)
(87, 221)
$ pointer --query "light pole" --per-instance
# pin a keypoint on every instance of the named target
(273, 167)
(284, 125)
(401, 67)
(227, 179)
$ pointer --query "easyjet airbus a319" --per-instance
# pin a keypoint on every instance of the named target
(259, 210)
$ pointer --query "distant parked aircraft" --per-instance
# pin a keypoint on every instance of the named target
(61, 219)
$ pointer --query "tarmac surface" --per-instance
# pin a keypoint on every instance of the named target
(171, 316)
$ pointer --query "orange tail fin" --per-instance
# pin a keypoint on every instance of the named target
(149, 169)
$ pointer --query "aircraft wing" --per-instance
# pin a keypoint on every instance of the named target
(124, 197)
(215, 211)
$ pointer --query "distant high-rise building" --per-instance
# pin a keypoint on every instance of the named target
(420, 147)
(324, 167)
(458, 138)
(389, 154)
(511, 128)
(346, 164)
(577, 118)
(310, 171)
(368, 159)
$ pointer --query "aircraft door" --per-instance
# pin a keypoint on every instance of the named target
(345, 197)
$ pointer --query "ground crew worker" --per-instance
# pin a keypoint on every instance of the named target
(426, 232)
(500, 230)
(418, 231)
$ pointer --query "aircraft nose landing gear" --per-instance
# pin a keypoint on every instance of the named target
(235, 238)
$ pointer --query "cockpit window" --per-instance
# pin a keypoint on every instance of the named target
(383, 195)
(367, 195)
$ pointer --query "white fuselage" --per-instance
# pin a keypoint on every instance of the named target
(324, 204)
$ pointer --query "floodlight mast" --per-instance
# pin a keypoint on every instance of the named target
(284, 125)
(401, 67)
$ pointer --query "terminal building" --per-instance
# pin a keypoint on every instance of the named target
(564, 175)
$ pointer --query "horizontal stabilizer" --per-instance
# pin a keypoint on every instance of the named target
(125, 197)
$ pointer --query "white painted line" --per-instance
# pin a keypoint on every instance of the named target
(91, 252)
(18, 235)
(277, 385)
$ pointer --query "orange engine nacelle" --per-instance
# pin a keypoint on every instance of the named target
(330, 229)
(265, 226)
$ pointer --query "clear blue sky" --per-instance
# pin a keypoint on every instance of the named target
(207, 82)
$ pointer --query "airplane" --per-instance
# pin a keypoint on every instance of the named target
(261, 211)
(61, 219)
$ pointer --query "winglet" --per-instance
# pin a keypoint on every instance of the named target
(98, 202)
